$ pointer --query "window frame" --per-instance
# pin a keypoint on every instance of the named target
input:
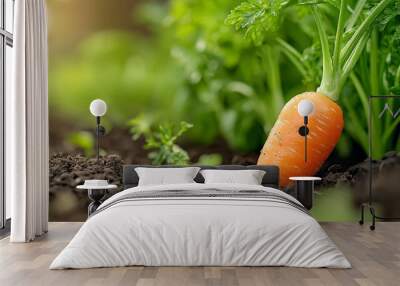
(6, 39)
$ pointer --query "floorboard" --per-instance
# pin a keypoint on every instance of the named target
(375, 257)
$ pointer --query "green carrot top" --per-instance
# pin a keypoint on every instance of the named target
(260, 20)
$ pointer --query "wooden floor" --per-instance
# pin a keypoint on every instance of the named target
(375, 257)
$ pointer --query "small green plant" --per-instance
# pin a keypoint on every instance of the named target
(162, 140)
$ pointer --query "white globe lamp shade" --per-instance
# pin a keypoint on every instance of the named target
(305, 107)
(98, 107)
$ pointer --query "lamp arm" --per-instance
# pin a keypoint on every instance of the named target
(305, 137)
(100, 131)
(303, 131)
(305, 146)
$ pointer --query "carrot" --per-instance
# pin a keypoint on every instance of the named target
(285, 147)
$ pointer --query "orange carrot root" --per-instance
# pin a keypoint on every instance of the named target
(285, 147)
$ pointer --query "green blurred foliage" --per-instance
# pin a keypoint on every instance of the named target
(188, 63)
(121, 68)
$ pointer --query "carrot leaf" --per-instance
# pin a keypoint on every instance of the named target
(257, 18)
(387, 15)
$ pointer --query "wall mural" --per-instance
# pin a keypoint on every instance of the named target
(227, 82)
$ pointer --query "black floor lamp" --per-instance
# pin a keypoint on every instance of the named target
(98, 108)
(369, 205)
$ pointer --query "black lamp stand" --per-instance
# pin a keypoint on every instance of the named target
(304, 131)
(100, 131)
(369, 205)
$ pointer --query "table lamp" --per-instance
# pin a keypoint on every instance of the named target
(98, 108)
(305, 108)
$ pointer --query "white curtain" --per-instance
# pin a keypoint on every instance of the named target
(27, 124)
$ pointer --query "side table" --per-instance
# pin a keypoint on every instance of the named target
(305, 190)
(96, 195)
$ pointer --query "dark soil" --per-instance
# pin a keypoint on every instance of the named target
(357, 174)
(71, 170)
(385, 181)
